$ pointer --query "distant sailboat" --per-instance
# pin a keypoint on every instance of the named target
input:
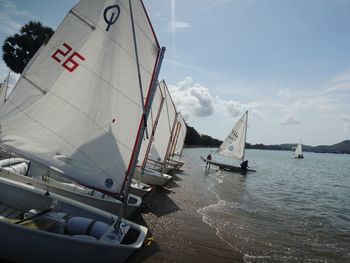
(234, 145)
(298, 152)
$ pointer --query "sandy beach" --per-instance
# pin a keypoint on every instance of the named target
(178, 231)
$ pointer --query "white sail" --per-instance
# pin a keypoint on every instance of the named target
(298, 150)
(181, 135)
(152, 125)
(163, 134)
(234, 144)
(77, 108)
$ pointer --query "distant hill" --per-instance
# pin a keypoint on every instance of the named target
(342, 147)
(195, 139)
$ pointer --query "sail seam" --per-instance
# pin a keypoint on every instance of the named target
(83, 19)
(82, 112)
(34, 84)
(114, 42)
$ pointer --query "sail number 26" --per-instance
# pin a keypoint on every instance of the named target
(70, 63)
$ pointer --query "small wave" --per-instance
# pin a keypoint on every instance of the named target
(209, 221)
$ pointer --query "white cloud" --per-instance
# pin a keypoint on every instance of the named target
(341, 82)
(192, 100)
(322, 104)
(231, 108)
(343, 86)
(215, 3)
(9, 13)
(290, 119)
(285, 93)
(344, 76)
(173, 62)
(179, 24)
(346, 120)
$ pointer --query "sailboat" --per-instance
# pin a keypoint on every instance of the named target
(178, 144)
(165, 135)
(80, 109)
(146, 174)
(233, 146)
(298, 154)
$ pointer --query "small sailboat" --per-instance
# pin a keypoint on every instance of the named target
(178, 145)
(80, 109)
(165, 137)
(143, 173)
(298, 154)
(233, 146)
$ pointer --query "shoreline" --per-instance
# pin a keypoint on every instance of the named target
(176, 231)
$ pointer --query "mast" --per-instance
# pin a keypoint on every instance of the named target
(147, 108)
(245, 134)
(143, 122)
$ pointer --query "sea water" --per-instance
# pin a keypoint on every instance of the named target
(289, 210)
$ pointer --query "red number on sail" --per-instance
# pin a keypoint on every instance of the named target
(69, 64)
(63, 53)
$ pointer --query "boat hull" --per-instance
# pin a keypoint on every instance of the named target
(20, 243)
(68, 190)
(152, 177)
(140, 189)
(227, 167)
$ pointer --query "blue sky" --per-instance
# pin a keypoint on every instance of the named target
(287, 62)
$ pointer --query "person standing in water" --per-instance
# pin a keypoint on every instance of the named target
(208, 159)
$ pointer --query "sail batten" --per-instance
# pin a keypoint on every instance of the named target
(79, 107)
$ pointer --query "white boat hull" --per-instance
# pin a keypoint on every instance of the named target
(139, 188)
(20, 243)
(152, 177)
(79, 193)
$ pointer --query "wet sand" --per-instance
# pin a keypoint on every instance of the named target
(177, 229)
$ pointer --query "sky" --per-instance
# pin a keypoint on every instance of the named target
(285, 61)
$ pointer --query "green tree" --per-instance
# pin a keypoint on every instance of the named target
(20, 48)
